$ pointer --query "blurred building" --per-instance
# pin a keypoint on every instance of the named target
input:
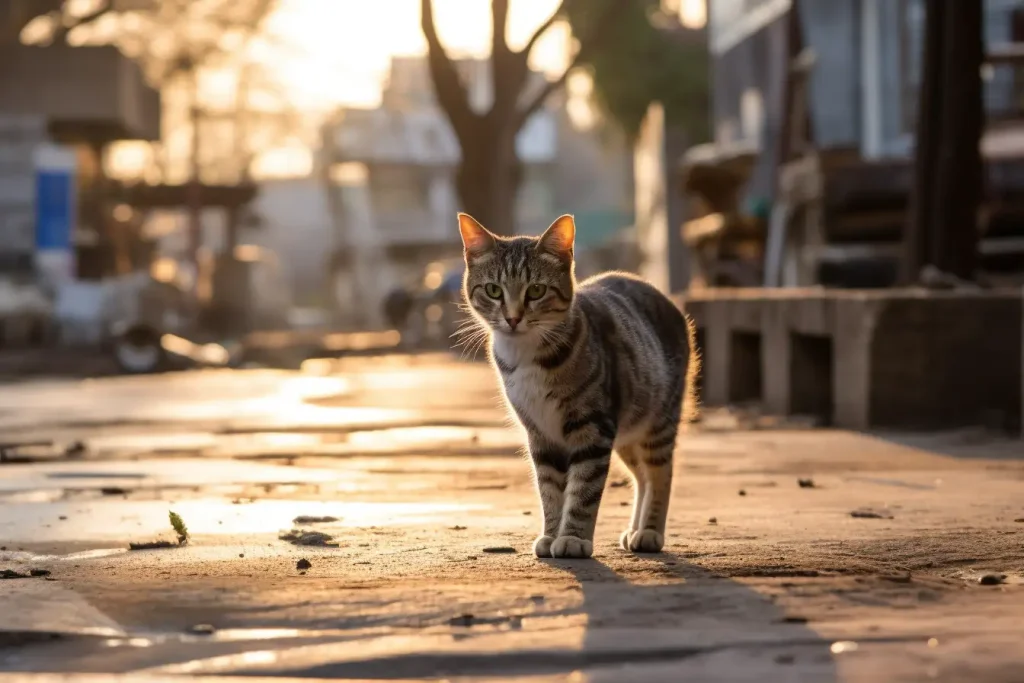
(391, 174)
(79, 98)
(814, 108)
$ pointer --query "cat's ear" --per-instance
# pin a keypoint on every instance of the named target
(558, 239)
(476, 239)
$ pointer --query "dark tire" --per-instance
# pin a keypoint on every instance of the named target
(138, 351)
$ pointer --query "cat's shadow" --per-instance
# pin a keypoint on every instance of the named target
(661, 616)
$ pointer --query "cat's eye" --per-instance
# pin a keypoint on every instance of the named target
(493, 290)
(534, 292)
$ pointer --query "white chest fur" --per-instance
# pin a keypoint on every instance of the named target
(526, 390)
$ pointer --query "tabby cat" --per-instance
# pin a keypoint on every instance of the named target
(587, 368)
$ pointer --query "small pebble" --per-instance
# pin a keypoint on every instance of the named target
(713, 520)
(868, 514)
(795, 620)
(241, 554)
(500, 549)
(992, 579)
(1019, 520)
(303, 564)
(203, 629)
(528, 513)
(458, 528)
(63, 518)
(743, 492)
(805, 483)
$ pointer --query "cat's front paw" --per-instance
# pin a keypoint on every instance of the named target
(569, 547)
(542, 546)
(644, 541)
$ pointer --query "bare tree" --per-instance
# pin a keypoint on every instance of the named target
(488, 174)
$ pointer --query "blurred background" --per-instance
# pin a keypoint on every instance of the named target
(213, 180)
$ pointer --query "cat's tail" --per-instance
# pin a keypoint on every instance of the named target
(691, 399)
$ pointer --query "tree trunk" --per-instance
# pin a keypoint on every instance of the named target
(487, 179)
(958, 176)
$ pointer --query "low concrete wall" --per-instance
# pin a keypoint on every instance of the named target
(906, 358)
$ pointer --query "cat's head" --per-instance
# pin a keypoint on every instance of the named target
(521, 287)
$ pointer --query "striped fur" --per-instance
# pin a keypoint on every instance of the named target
(587, 368)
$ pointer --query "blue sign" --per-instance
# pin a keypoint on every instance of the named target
(55, 208)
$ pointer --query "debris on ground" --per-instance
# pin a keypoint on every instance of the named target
(527, 512)
(113, 491)
(500, 549)
(11, 574)
(992, 579)
(743, 492)
(178, 524)
(151, 545)
(303, 564)
(461, 620)
(39, 572)
(898, 578)
(8, 450)
(713, 520)
(312, 519)
(75, 449)
(869, 514)
(203, 629)
(806, 483)
(306, 537)
(457, 528)
(1019, 520)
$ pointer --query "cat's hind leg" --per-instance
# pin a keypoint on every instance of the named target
(655, 456)
(631, 458)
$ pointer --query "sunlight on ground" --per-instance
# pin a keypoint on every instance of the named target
(121, 521)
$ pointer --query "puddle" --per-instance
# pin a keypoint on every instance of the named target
(168, 472)
(211, 397)
(433, 437)
(106, 521)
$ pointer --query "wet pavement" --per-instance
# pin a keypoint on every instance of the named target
(898, 558)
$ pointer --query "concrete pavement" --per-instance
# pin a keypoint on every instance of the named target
(871, 571)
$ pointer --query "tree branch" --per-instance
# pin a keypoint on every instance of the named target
(542, 29)
(587, 45)
(451, 92)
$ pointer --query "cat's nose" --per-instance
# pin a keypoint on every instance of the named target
(512, 322)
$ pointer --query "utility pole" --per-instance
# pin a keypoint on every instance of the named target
(946, 195)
